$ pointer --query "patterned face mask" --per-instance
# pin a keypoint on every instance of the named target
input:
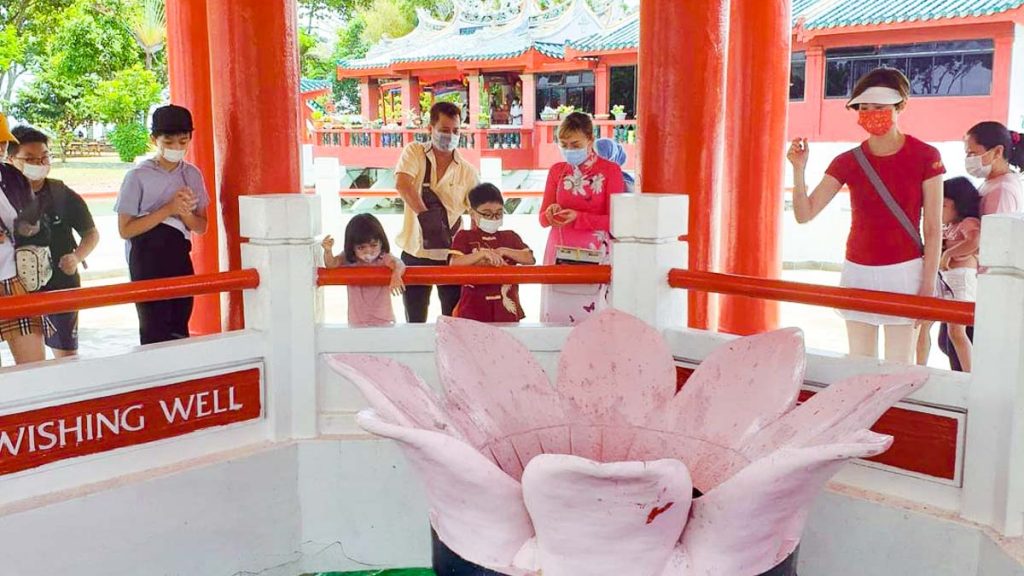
(876, 122)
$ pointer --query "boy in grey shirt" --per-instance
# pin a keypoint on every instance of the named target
(162, 202)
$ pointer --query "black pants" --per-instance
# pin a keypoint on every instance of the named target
(417, 298)
(946, 345)
(163, 252)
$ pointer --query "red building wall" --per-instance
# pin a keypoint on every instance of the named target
(933, 119)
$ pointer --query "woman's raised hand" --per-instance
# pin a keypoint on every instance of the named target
(799, 151)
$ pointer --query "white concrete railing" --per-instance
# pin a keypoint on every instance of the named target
(303, 400)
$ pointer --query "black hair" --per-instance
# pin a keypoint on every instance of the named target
(26, 135)
(363, 229)
(444, 109)
(577, 122)
(484, 194)
(988, 135)
(964, 195)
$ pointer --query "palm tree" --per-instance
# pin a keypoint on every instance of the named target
(149, 27)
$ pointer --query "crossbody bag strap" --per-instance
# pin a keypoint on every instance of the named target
(886, 196)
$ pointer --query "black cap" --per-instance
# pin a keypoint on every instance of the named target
(171, 119)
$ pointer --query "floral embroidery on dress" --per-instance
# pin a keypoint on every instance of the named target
(576, 183)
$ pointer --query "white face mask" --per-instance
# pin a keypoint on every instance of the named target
(369, 258)
(976, 167)
(172, 155)
(489, 226)
(444, 142)
(36, 172)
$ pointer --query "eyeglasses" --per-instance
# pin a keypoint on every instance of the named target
(495, 215)
(40, 161)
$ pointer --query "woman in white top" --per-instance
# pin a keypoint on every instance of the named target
(992, 150)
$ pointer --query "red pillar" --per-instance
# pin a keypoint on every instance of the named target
(760, 39)
(369, 99)
(188, 68)
(475, 103)
(681, 117)
(410, 96)
(529, 99)
(602, 89)
(256, 113)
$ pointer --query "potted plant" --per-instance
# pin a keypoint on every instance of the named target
(619, 111)
(564, 111)
(318, 119)
(483, 120)
(549, 114)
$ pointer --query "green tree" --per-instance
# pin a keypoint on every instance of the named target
(126, 97)
(54, 103)
(313, 9)
(25, 28)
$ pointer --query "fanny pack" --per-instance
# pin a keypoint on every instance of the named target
(34, 263)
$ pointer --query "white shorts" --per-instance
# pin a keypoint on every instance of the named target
(902, 278)
(963, 282)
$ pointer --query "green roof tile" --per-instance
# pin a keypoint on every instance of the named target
(623, 37)
(312, 85)
(842, 13)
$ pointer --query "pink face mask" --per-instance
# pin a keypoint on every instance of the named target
(876, 122)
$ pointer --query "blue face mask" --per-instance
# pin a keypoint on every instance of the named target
(575, 156)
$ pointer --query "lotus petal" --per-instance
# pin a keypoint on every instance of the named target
(606, 519)
(476, 509)
(842, 408)
(494, 384)
(739, 389)
(614, 370)
(752, 521)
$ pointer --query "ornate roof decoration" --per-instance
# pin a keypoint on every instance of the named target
(479, 32)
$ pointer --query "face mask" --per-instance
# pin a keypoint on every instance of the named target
(172, 155)
(489, 226)
(575, 156)
(977, 168)
(876, 122)
(35, 172)
(444, 142)
(369, 258)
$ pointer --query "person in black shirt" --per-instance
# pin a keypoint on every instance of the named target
(64, 212)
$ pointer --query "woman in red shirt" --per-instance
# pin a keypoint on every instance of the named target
(881, 254)
(577, 204)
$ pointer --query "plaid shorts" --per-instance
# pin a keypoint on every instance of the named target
(13, 327)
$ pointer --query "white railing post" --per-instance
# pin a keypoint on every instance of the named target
(646, 228)
(993, 491)
(282, 230)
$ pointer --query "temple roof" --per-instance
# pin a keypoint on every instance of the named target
(477, 32)
(819, 14)
(313, 85)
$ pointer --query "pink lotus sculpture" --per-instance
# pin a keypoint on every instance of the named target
(594, 476)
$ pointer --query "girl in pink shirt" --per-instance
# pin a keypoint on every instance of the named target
(366, 244)
(958, 265)
(992, 150)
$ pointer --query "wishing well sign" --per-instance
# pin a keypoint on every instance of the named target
(38, 437)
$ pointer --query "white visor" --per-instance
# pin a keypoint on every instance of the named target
(876, 95)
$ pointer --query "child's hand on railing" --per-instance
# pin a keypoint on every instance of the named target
(397, 284)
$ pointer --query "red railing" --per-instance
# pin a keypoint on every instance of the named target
(869, 301)
(433, 275)
(58, 301)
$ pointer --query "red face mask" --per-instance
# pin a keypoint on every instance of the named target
(876, 122)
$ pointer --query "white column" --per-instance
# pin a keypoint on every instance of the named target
(993, 491)
(646, 228)
(282, 230)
